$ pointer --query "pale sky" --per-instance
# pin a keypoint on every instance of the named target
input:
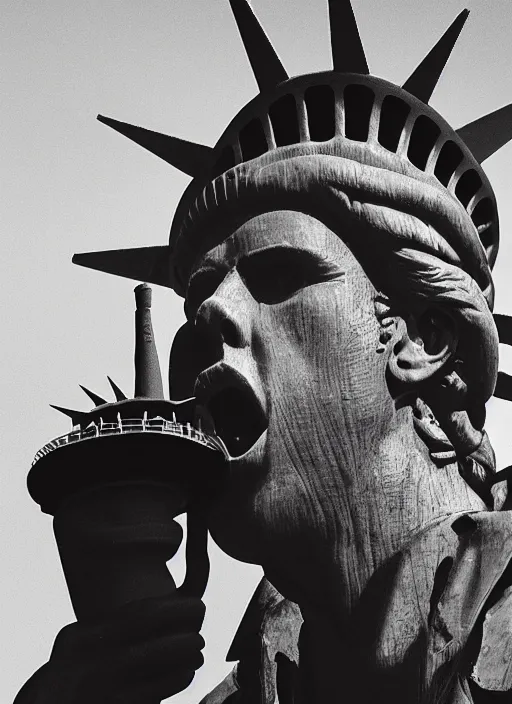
(70, 184)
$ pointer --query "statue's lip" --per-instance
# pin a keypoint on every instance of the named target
(221, 376)
(237, 409)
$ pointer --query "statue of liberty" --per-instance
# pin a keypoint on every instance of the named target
(334, 251)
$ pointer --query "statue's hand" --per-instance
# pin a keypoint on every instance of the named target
(144, 652)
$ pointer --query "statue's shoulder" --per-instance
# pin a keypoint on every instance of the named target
(459, 609)
(267, 641)
(491, 666)
(457, 620)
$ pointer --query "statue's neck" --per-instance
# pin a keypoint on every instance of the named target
(399, 491)
(398, 495)
(394, 490)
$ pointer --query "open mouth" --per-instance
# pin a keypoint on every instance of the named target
(237, 413)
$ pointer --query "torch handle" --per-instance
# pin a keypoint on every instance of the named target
(198, 563)
(114, 543)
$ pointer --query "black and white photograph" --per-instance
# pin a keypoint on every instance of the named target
(257, 337)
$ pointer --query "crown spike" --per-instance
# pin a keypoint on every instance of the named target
(77, 417)
(149, 264)
(347, 49)
(265, 63)
(424, 79)
(120, 396)
(97, 400)
(488, 134)
(190, 158)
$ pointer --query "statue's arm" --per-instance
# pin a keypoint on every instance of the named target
(227, 692)
(146, 650)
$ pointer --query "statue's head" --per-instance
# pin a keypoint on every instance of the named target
(334, 250)
(332, 311)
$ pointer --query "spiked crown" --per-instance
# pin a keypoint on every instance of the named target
(328, 113)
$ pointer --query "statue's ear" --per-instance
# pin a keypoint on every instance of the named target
(423, 345)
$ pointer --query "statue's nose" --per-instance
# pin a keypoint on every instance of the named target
(226, 315)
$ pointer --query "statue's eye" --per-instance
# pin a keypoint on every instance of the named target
(201, 286)
(272, 275)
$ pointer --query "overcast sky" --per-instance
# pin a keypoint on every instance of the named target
(70, 184)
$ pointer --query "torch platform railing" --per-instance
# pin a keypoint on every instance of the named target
(131, 425)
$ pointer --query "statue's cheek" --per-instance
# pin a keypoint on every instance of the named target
(321, 321)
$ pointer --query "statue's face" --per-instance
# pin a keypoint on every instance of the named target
(297, 385)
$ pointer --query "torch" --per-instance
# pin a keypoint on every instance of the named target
(115, 483)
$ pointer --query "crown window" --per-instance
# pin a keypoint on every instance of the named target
(393, 114)
(467, 185)
(358, 101)
(225, 161)
(487, 238)
(321, 115)
(285, 123)
(252, 139)
(483, 213)
(448, 160)
(423, 138)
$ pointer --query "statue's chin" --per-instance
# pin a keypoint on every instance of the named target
(232, 519)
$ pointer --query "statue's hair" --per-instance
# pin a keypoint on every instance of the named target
(449, 411)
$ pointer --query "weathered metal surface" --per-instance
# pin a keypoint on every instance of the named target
(336, 269)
